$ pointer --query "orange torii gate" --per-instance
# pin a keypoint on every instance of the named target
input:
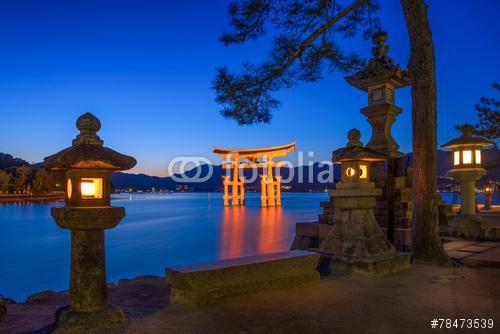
(270, 184)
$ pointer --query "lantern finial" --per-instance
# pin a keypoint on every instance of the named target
(88, 125)
(467, 130)
(354, 136)
(380, 49)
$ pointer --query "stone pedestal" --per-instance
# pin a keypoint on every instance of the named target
(487, 202)
(468, 224)
(355, 241)
(88, 284)
(469, 227)
(381, 117)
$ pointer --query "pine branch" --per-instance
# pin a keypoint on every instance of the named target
(297, 55)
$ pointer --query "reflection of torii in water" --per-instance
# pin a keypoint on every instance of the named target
(270, 185)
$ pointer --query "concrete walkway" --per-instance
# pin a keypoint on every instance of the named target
(474, 253)
(404, 302)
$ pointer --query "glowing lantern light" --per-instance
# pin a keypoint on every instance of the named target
(88, 189)
(456, 158)
(467, 157)
(350, 172)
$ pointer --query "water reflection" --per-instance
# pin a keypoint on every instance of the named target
(233, 226)
(247, 231)
(271, 229)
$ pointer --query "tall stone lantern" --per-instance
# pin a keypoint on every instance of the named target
(87, 213)
(467, 169)
(380, 79)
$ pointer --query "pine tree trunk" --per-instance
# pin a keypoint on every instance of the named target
(421, 67)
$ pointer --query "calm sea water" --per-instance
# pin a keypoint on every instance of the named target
(158, 231)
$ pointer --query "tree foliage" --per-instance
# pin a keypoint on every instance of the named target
(488, 112)
(22, 178)
(29, 178)
(4, 181)
(305, 46)
(42, 183)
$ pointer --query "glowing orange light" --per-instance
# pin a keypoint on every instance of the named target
(91, 188)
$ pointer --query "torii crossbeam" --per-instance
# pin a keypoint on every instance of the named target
(253, 158)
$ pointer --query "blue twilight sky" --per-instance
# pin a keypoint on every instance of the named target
(145, 69)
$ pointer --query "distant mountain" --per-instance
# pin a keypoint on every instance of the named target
(491, 161)
(214, 183)
(490, 157)
(7, 161)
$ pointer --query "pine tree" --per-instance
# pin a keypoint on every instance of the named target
(489, 116)
(305, 48)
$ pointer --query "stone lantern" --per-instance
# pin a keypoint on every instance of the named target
(489, 190)
(380, 78)
(467, 170)
(87, 213)
(355, 169)
(355, 241)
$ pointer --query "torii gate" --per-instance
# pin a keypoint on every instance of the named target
(270, 185)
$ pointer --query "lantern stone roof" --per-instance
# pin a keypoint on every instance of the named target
(380, 68)
(356, 151)
(88, 152)
(467, 139)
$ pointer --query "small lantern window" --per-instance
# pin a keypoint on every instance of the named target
(69, 188)
(478, 157)
(467, 157)
(350, 172)
(456, 155)
(91, 188)
(363, 171)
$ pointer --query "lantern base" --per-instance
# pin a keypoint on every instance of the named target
(69, 320)
(371, 267)
(469, 227)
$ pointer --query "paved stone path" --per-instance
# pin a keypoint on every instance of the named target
(474, 253)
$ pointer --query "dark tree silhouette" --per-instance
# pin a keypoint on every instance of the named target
(305, 46)
(488, 112)
(421, 68)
